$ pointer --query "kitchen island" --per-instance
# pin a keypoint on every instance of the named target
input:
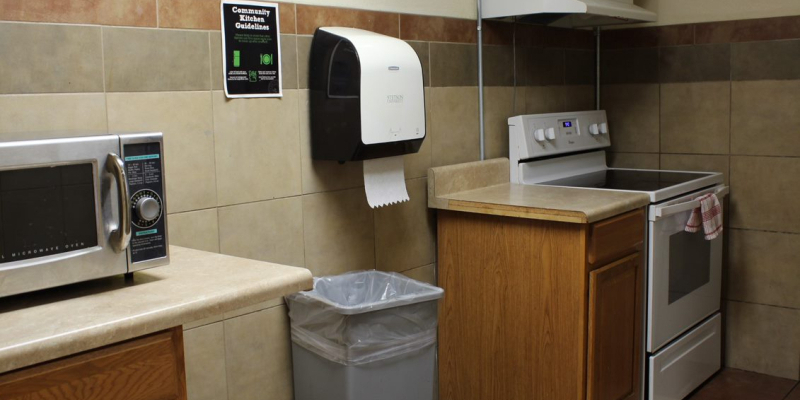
(110, 330)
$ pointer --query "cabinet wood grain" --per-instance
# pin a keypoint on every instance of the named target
(513, 318)
(616, 237)
(615, 330)
(146, 368)
(527, 316)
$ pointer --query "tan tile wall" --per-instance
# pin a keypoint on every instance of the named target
(240, 177)
(729, 107)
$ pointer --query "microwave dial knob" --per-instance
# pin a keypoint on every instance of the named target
(148, 208)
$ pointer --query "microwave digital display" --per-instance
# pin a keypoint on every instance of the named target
(46, 211)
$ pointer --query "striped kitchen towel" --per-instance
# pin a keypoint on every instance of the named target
(708, 215)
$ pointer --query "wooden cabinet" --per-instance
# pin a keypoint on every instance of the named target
(615, 340)
(539, 310)
(146, 368)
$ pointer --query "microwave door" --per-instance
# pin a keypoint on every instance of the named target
(58, 212)
(684, 277)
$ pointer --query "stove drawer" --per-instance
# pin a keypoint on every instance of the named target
(682, 366)
(613, 238)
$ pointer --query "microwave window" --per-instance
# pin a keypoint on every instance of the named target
(46, 211)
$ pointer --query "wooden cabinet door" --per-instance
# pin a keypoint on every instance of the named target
(615, 330)
(147, 368)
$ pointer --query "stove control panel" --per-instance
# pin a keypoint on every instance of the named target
(543, 135)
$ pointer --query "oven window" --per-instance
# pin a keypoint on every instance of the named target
(689, 263)
(45, 211)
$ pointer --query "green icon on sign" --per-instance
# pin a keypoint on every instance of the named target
(236, 58)
(266, 59)
(253, 76)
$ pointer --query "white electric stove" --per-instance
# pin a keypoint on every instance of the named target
(683, 332)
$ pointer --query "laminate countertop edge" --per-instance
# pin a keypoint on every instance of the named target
(51, 324)
(483, 187)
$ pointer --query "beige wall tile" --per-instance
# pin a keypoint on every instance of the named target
(215, 39)
(40, 58)
(303, 54)
(338, 228)
(267, 231)
(454, 123)
(633, 117)
(580, 97)
(454, 64)
(149, 60)
(405, 233)
(253, 308)
(258, 356)
(544, 99)
(765, 118)
(695, 117)
(425, 274)
(257, 148)
(498, 107)
(204, 352)
(763, 339)
(203, 321)
(692, 162)
(633, 160)
(185, 119)
(764, 193)
(323, 175)
(289, 61)
(416, 165)
(520, 96)
(762, 268)
(195, 229)
(73, 114)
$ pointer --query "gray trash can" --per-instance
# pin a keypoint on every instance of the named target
(364, 336)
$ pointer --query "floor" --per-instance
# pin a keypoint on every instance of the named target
(734, 384)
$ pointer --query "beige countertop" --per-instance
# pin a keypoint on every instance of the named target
(483, 187)
(54, 323)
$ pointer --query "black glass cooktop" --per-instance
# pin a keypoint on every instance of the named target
(637, 180)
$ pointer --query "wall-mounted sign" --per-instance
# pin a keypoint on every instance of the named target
(251, 49)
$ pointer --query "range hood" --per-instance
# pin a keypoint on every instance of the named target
(568, 13)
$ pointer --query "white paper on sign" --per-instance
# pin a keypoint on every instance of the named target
(385, 181)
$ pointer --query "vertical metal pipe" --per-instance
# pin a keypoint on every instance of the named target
(480, 82)
(597, 68)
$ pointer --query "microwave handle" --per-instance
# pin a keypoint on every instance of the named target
(121, 237)
(662, 212)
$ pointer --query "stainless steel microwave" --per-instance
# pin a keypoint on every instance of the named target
(80, 208)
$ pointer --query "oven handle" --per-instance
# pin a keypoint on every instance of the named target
(662, 212)
(120, 237)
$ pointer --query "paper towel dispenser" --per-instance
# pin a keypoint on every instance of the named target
(367, 96)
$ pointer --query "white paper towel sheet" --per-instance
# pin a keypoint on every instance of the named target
(385, 181)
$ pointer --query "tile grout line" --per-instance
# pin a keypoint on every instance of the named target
(761, 304)
(796, 385)
(764, 231)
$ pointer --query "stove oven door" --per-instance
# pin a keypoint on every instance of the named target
(684, 270)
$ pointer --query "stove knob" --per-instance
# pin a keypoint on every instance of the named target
(604, 128)
(148, 209)
(593, 129)
(550, 133)
(539, 135)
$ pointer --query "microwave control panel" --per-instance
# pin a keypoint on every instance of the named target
(145, 174)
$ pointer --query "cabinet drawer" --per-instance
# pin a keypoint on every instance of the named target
(615, 237)
(681, 367)
(146, 368)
